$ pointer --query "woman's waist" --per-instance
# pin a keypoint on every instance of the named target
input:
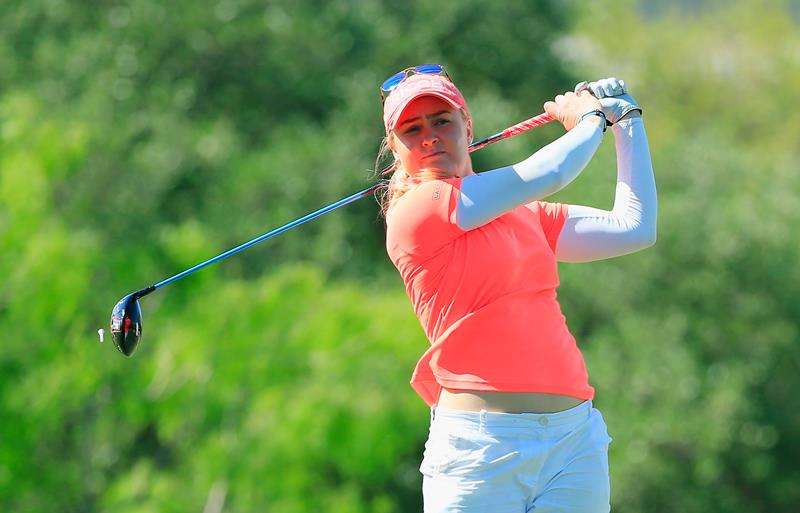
(514, 312)
(507, 402)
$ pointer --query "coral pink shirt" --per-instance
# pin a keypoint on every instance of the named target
(486, 298)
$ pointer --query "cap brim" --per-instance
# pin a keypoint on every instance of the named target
(405, 102)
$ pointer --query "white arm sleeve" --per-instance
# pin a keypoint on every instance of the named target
(489, 195)
(593, 234)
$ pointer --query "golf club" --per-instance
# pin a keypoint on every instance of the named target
(126, 317)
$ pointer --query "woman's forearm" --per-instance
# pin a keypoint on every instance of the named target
(489, 195)
(635, 200)
(593, 234)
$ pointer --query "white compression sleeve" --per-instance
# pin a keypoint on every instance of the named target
(593, 234)
(492, 193)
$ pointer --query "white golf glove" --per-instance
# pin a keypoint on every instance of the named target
(611, 93)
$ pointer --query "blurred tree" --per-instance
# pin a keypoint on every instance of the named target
(139, 138)
(245, 115)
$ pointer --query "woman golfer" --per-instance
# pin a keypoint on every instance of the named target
(512, 423)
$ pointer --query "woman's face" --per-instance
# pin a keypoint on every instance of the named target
(431, 137)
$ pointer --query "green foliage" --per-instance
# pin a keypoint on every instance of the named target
(276, 391)
(243, 115)
(139, 138)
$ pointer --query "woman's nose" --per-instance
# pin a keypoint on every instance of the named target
(429, 138)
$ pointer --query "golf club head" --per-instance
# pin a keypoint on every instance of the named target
(126, 324)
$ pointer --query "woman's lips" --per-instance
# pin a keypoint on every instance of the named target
(433, 155)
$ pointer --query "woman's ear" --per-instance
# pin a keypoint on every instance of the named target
(468, 125)
(391, 144)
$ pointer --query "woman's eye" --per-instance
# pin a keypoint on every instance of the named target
(442, 121)
(412, 129)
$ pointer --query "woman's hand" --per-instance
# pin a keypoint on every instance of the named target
(612, 94)
(569, 107)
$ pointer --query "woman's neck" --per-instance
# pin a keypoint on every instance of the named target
(438, 174)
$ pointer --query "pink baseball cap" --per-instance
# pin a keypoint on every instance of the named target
(422, 84)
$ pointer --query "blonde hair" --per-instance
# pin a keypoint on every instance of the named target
(391, 190)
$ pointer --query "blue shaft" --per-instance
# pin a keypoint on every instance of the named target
(277, 231)
(313, 215)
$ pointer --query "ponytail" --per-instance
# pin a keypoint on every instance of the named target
(392, 189)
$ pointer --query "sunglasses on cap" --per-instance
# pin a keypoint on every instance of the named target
(425, 69)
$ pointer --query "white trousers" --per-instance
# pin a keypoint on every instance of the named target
(517, 462)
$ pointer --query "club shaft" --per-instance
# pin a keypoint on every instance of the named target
(512, 131)
(277, 231)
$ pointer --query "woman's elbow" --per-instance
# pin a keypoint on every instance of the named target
(645, 230)
(640, 236)
(653, 229)
(648, 237)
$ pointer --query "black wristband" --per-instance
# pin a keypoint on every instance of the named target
(606, 124)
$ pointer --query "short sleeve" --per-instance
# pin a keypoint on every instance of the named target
(552, 217)
(423, 220)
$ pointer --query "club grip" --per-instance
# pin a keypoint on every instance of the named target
(541, 119)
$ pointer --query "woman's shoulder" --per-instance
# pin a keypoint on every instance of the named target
(425, 193)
